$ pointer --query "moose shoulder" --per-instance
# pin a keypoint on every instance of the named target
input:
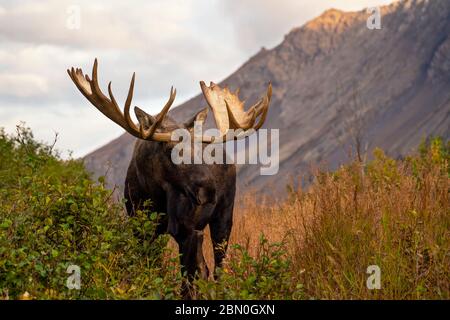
(192, 195)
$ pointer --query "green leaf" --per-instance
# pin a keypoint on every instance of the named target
(6, 224)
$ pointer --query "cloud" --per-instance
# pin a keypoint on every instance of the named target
(92, 24)
(260, 23)
(23, 85)
(160, 40)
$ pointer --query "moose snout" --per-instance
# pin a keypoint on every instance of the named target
(201, 195)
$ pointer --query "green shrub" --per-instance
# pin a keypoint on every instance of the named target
(52, 216)
(268, 275)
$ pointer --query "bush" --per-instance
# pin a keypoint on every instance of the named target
(267, 275)
(52, 216)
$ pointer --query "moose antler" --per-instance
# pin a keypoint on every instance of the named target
(228, 109)
(91, 90)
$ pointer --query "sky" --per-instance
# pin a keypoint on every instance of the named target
(166, 42)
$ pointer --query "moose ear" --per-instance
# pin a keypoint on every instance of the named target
(144, 118)
(199, 116)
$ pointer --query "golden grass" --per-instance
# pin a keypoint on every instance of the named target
(394, 214)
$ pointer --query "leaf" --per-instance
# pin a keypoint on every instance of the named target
(153, 216)
(74, 207)
(6, 224)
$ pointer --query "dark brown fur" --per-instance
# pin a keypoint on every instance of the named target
(192, 196)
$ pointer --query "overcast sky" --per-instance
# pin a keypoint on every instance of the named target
(167, 42)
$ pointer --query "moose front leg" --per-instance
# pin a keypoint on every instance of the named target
(192, 261)
(220, 226)
(185, 225)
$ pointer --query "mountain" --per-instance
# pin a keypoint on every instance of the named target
(335, 83)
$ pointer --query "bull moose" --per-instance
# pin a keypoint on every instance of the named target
(192, 196)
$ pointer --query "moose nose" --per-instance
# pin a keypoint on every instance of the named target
(202, 195)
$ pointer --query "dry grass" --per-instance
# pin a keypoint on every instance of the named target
(394, 214)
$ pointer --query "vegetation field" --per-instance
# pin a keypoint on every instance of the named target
(317, 244)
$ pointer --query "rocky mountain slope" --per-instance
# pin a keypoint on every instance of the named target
(336, 82)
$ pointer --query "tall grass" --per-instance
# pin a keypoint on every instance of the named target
(392, 214)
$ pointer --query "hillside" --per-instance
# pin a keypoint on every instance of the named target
(335, 80)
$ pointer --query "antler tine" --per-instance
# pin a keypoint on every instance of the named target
(264, 107)
(82, 87)
(113, 100)
(95, 88)
(259, 106)
(150, 132)
(126, 109)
